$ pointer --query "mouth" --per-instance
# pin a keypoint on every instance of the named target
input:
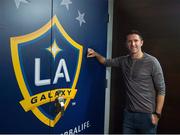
(133, 48)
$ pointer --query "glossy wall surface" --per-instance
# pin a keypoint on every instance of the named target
(43, 46)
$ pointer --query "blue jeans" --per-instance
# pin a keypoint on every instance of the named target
(138, 123)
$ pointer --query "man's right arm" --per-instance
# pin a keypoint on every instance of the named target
(91, 53)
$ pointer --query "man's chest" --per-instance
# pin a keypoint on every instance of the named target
(137, 70)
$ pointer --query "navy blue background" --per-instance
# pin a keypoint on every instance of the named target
(90, 97)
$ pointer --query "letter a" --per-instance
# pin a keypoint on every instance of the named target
(62, 64)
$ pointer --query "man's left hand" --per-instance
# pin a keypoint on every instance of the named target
(154, 119)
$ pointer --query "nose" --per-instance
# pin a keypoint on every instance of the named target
(132, 43)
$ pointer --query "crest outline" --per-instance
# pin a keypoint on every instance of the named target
(15, 41)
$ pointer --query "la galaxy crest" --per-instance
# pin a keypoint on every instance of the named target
(45, 62)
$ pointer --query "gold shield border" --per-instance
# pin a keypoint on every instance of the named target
(15, 41)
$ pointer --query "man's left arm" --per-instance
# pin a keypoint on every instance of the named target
(160, 103)
(159, 83)
(159, 106)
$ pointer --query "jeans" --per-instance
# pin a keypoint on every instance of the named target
(138, 123)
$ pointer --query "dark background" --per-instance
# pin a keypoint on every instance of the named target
(159, 22)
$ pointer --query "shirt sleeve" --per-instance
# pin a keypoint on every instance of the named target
(115, 62)
(158, 78)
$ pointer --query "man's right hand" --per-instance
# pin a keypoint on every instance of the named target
(91, 53)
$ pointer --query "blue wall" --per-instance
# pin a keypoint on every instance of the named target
(24, 38)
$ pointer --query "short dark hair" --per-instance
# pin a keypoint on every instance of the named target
(135, 32)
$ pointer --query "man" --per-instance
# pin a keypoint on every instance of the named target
(145, 86)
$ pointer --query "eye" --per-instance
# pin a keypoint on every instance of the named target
(135, 40)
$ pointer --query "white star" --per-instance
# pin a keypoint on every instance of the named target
(66, 3)
(19, 1)
(54, 49)
(80, 18)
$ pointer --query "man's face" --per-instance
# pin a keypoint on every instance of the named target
(134, 43)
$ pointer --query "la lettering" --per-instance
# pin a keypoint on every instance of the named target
(59, 74)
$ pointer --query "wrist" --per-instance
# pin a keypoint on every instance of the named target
(96, 54)
(157, 114)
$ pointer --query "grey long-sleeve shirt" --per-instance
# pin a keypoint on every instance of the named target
(143, 79)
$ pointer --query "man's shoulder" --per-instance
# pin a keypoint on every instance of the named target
(149, 56)
(123, 57)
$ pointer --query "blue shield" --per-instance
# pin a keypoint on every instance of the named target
(44, 68)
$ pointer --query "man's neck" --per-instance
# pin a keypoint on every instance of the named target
(137, 55)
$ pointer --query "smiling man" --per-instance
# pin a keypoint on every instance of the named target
(145, 86)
